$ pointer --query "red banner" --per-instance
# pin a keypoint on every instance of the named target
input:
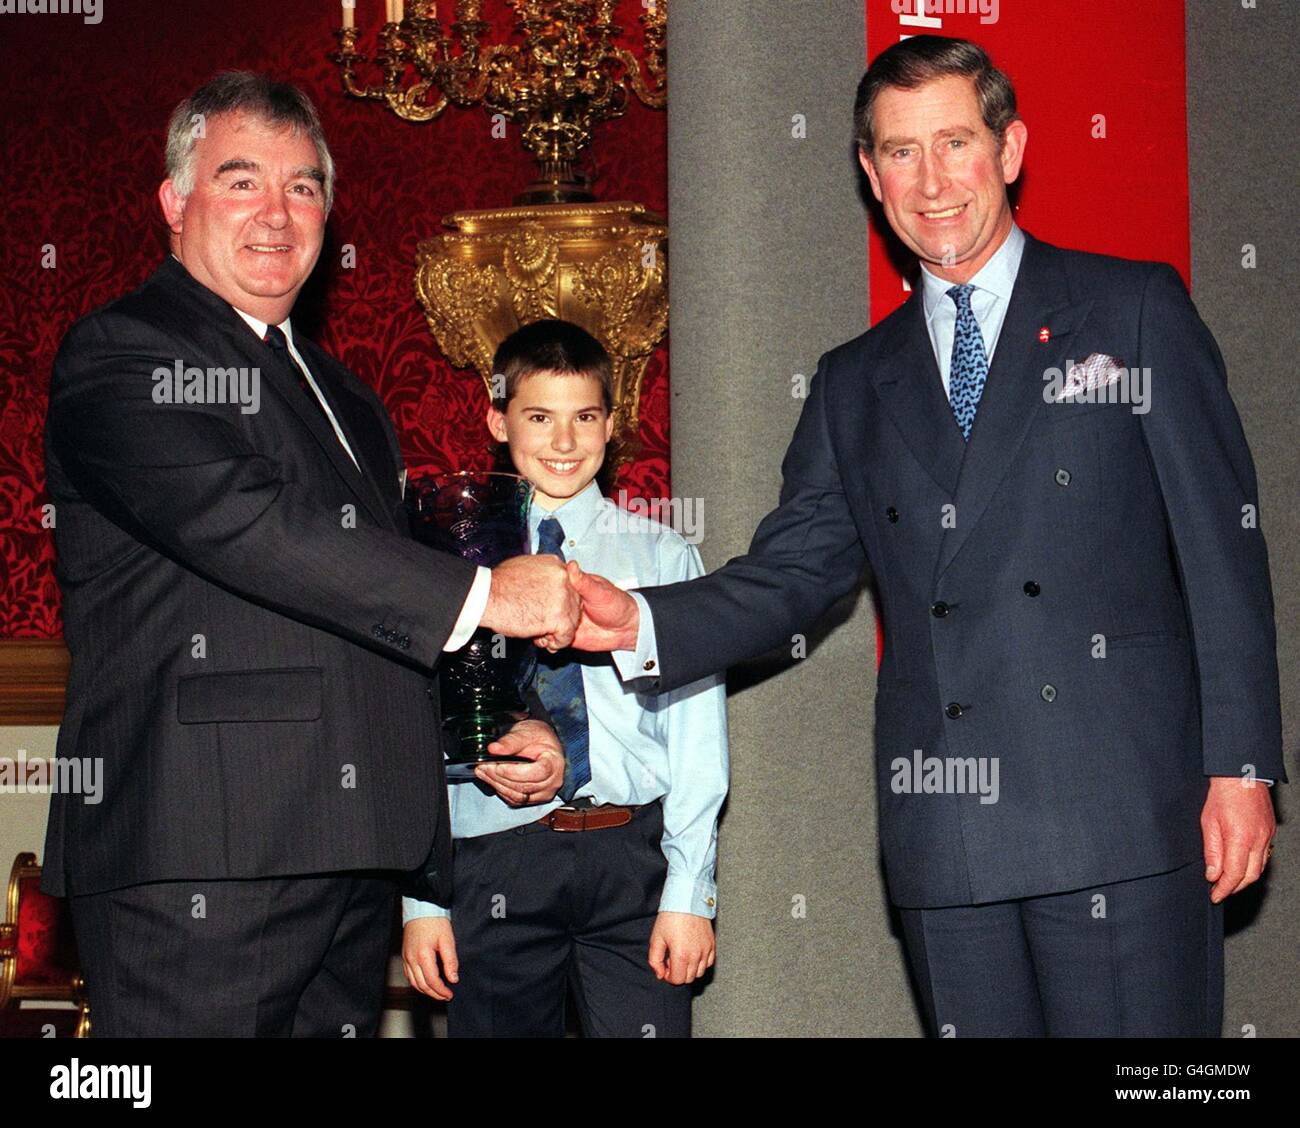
(1102, 88)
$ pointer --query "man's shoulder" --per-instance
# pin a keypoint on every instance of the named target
(881, 338)
(143, 308)
(1099, 270)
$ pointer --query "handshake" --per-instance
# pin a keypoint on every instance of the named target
(557, 604)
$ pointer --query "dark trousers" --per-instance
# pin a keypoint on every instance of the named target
(1140, 958)
(266, 958)
(538, 910)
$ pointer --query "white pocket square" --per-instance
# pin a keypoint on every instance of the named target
(1096, 371)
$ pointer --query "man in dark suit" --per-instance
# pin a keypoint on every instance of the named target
(253, 632)
(1078, 702)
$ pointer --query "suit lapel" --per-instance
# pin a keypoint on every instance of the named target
(356, 417)
(231, 334)
(910, 389)
(1014, 390)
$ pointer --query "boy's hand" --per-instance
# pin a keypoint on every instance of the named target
(681, 947)
(426, 943)
(531, 597)
(610, 617)
(523, 784)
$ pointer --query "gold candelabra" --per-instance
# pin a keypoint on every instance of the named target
(568, 75)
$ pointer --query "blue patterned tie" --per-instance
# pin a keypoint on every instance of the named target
(970, 367)
(559, 685)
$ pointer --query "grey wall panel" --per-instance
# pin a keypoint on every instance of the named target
(1242, 119)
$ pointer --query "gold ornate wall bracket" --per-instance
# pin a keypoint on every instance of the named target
(602, 266)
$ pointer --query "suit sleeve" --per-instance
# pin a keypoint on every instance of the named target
(805, 555)
(1207, 480)
(187, 481)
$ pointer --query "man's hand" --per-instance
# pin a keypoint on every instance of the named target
(610, 617)
(681, 947)
(1237, 826)
(525, 784)
(531, 597)
(428, 942)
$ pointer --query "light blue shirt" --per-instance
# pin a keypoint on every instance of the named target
(644, 747)
(993, 283)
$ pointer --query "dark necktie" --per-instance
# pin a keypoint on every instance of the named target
(559, 685)
(276, 342)
(970, 367)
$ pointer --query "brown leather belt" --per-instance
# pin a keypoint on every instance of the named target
(588, 818)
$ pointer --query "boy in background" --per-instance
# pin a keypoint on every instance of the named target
(610, 887)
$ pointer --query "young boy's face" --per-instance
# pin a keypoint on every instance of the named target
(556, 426)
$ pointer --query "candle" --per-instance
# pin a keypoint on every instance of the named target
(349, 7)
(398, 11)
(388, 10)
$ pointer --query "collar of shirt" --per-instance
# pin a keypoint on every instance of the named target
(260, 327)
(997, 276)
(576, 516)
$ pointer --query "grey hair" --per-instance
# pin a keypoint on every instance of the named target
(276, 103)
(920, 59)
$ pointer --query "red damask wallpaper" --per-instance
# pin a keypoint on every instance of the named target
(83, 112)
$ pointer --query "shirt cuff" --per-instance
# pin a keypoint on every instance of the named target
(471, 613)
(415, 910)
(643, 662)
(684, 894)
(1257, 779)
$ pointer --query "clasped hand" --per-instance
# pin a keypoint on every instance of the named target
(559, 605)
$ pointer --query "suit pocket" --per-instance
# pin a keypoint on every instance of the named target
(250, 695)
(1067, 410)
(1143, 638)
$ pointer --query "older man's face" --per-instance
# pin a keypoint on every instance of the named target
(938, 172)
(252, 228)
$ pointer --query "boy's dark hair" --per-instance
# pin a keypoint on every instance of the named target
(922, 58)
(550, 345)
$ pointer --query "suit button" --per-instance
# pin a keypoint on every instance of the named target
(1048, 692)
(429, 693)
(939, 610)
(377, 631)
(1031, 588)
(1062, 477)
(953, 710)
(892, 514)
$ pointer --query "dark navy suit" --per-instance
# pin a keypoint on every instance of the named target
(1081, 591)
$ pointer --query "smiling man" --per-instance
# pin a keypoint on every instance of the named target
(253, 631)
(1075, 593)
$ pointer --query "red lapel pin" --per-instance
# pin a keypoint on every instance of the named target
(1044, 334)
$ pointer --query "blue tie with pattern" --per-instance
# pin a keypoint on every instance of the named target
(970, 367)
(559, 685)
